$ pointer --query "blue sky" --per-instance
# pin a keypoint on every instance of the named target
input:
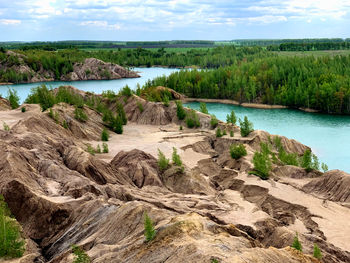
(50, 20)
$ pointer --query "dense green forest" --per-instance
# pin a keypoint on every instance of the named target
(318, 83)
(311, 46)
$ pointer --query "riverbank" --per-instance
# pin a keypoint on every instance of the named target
(246, 105)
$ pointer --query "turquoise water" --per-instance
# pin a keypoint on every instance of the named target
(96, 86)
(327, 135)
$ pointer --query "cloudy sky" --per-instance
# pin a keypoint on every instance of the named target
(167, 20)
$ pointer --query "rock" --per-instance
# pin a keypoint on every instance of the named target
(4, 104)
(295, 172)
(334, 185)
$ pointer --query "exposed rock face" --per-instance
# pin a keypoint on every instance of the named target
(333, 185)
(62, 195)
(90, 69)
(4, 104)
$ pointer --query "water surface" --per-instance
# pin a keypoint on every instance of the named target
(327, 135)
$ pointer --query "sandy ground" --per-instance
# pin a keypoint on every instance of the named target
(149, 138)
(11, 117)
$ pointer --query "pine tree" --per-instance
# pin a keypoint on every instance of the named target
(296, 243)
(317, 252)
(149, 232)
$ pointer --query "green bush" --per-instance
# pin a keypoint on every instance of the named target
(176, 158)
(140, 106)
(309, 161)
(180, 111)
(296, 243)
(203, 108)
(231, 118)
(181, 128)
(68, 96)
(65, 124)
(237, 151)
(150, 232)
(288, 158)
(126, 91)
(80, 255)
(218, 133)
(166, 101)
(80, 115)
(6, 127)
(324, 167)
(13, 98)
(11, 243)
(41, 95)
(231, 133)
(23, 109)
(262, 165)
(317, 252)
(109, 94)
(214, 121)
(224, 133)
(98, 149)
(246, 127)
(118, 124)
(105, 147)
(192, 120)
(121, 113)
(104, 135)
(163, 162)
(90, 149)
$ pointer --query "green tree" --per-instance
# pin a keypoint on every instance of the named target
(11, 242)
(246, 127)
(13, 98)
(104, 135)
(218, 133)
(203, 107)
(105, 147)
(80, 255)
(80, 115)
(262, 165)
(180, 111)
(317, 252)
(192, 120)
(176, 158)
(213, 121)
(163, 162)
(117, 124)
(296, 243)
(231, 118)
(237, 151)
(150, 232)
(324, 167)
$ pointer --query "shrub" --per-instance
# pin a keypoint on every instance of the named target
(23, 109)
(288, 158)
(231, 118)
(98, 149)
(262, 165)
(80, 114)
(309, 161)
(109, 94)
(246, 127)
(218, 133)
(231, 134)
(296, 243)
(237, 151)
(121, 113)
(126, 91)
(105, 147)
(150, 232)
(90, 149)
(166, 101)
(6, 127)
(214, 121)
(176, 158)
(118, 124)
(181, 128)
(163, 162)
(324, 167)
(192, 120)
(13, 98)
(69, 96)
(80, 255)
(317, 252)
(104, 135)
(11, 242)
(180, 111)
(140, 106)
(65, 124)
(51, 113)
(203, 108)
(224, 133)
(41, 95)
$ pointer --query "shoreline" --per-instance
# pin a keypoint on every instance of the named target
(246, 105)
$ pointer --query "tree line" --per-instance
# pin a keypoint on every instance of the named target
(311, 46)
(318, 83)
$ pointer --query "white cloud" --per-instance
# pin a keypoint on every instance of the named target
(103, 24)
(10, 22)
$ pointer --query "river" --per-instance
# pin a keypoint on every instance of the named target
(327, 135)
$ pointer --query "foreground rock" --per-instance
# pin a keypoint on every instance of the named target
(211, 209)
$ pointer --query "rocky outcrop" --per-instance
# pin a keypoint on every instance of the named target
(4, 104)
(89, 69)
(333, 185)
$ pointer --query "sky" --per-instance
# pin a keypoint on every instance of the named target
(122, 20)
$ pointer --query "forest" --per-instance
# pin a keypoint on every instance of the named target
(320, 83)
